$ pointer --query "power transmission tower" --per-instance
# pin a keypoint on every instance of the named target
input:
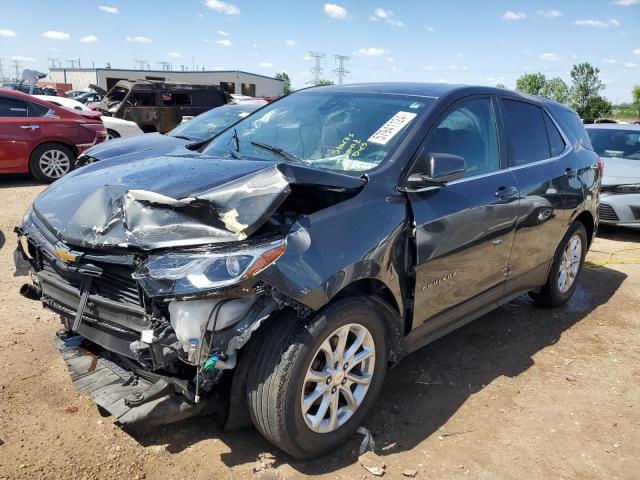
(341, 72)
(164, 65)
(52, 62)
(16, 67)
(72, 63)
(140, 63)
(316, 69)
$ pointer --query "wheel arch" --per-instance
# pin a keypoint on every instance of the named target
(586, 218)
(70, 146)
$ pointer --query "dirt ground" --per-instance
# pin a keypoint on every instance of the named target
(520, 393)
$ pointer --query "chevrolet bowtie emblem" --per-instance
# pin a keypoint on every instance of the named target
(65, 255)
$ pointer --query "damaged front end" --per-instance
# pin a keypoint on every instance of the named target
(159, 290)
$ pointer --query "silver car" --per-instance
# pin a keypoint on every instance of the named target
(619, 146)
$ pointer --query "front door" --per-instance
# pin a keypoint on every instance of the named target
(464, 230)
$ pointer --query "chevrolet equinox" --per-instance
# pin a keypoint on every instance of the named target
(272, 275)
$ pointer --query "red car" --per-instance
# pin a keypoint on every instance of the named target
(42, 138)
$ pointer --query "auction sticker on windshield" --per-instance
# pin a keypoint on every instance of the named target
(390, 129)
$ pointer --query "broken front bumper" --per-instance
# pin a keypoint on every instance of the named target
(135, 398)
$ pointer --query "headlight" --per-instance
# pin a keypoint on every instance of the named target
(631, 188)
(183, 273)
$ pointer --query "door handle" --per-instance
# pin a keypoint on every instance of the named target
(505, 193)
(30, 127)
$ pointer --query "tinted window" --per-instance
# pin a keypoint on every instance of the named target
(10, 107)
(37, 110)
(469, 131)
(556, 143)
(571, 123)
(526, 131)
(609, 142)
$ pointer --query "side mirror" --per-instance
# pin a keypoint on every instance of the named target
(441, 169)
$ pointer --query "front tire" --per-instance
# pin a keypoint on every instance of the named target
(567, 265)
(51, 161)
(313, 383)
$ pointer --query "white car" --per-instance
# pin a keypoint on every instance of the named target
(116, 127)
(619, 146)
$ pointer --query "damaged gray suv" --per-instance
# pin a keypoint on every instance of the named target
(272, 276)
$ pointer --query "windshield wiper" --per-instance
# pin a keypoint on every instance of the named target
(278, 151)
(235, 139)
(184, 137)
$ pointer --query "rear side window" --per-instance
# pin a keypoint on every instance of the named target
(571, 123)
(37, 110)
(556, 143)
(10, 107)
(526, 132)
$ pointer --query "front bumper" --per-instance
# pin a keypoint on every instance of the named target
(622, 210)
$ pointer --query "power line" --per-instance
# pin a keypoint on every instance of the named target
(341, 72)
(316, 69)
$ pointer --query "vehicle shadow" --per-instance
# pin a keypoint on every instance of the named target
(455, 367)
(18, 180)
(618, 233)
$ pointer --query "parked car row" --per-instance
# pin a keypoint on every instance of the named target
(273, 271)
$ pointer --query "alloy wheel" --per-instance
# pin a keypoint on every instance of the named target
(570, 263)
(338, 378)
(54, 163)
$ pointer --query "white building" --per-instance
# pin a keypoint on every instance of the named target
(233, 81)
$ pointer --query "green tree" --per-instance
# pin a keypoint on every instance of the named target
(532, 83)
(324, 82)
(635, 94)
(585, 92)
(284, 76)
(500, 85)
(557, 90)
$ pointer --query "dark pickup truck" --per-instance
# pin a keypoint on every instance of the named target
(159, 106)
(274, 274)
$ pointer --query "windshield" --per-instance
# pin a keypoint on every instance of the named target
(211, 122)
(615, 143)
(341, 131)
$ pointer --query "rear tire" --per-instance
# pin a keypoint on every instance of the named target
(565, 269)
(297, 399)
(51, 161)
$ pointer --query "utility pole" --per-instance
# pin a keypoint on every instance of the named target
(316, 69)
(72, 63)
(139, 63)
(341, 72)
(166, 66)
(16, 66)
(1, 69)
(52, 62)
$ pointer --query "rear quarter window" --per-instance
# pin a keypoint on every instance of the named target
(572, 125)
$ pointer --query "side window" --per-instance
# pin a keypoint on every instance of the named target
(10, 107)
(469, 131)
(556, 143)
(526, 131)
(36, 110)
(182, 98)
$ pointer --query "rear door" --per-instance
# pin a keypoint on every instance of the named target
(550, 190)
(464, 230)
(20, 130)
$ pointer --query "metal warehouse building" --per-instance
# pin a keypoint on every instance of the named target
(233, 81)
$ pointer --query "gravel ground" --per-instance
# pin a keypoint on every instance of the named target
(522, 392)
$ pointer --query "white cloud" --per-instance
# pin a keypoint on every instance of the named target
(224, 43)
(265, 65)
(510, 16)
(609, 60)
(108, 9)
(201, 15)
(335, 11)
(222, 7)
(54, 35)
(387, 16)
(223, 33)
(625, 3)
(205, 40)
(629, 65)
(89, 39)
(138, 39)
(597, 23)
(389, 59)
(19, 58)
(7, 33)
(255, 45)
(550, 13)
(637, 52)
(290, 43)
(174, 55)
(51, 49)
(430, 68)
(306, 58)
(370, 52)
(551, 57)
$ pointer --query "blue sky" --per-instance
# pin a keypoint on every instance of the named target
(474, 42)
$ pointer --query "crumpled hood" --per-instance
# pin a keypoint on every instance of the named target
(137, 144)
(172, 200)
(620, 171)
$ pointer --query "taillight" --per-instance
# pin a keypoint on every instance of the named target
(601, 166)
(98, 128)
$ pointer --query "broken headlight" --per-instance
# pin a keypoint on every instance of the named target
(183, 273)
